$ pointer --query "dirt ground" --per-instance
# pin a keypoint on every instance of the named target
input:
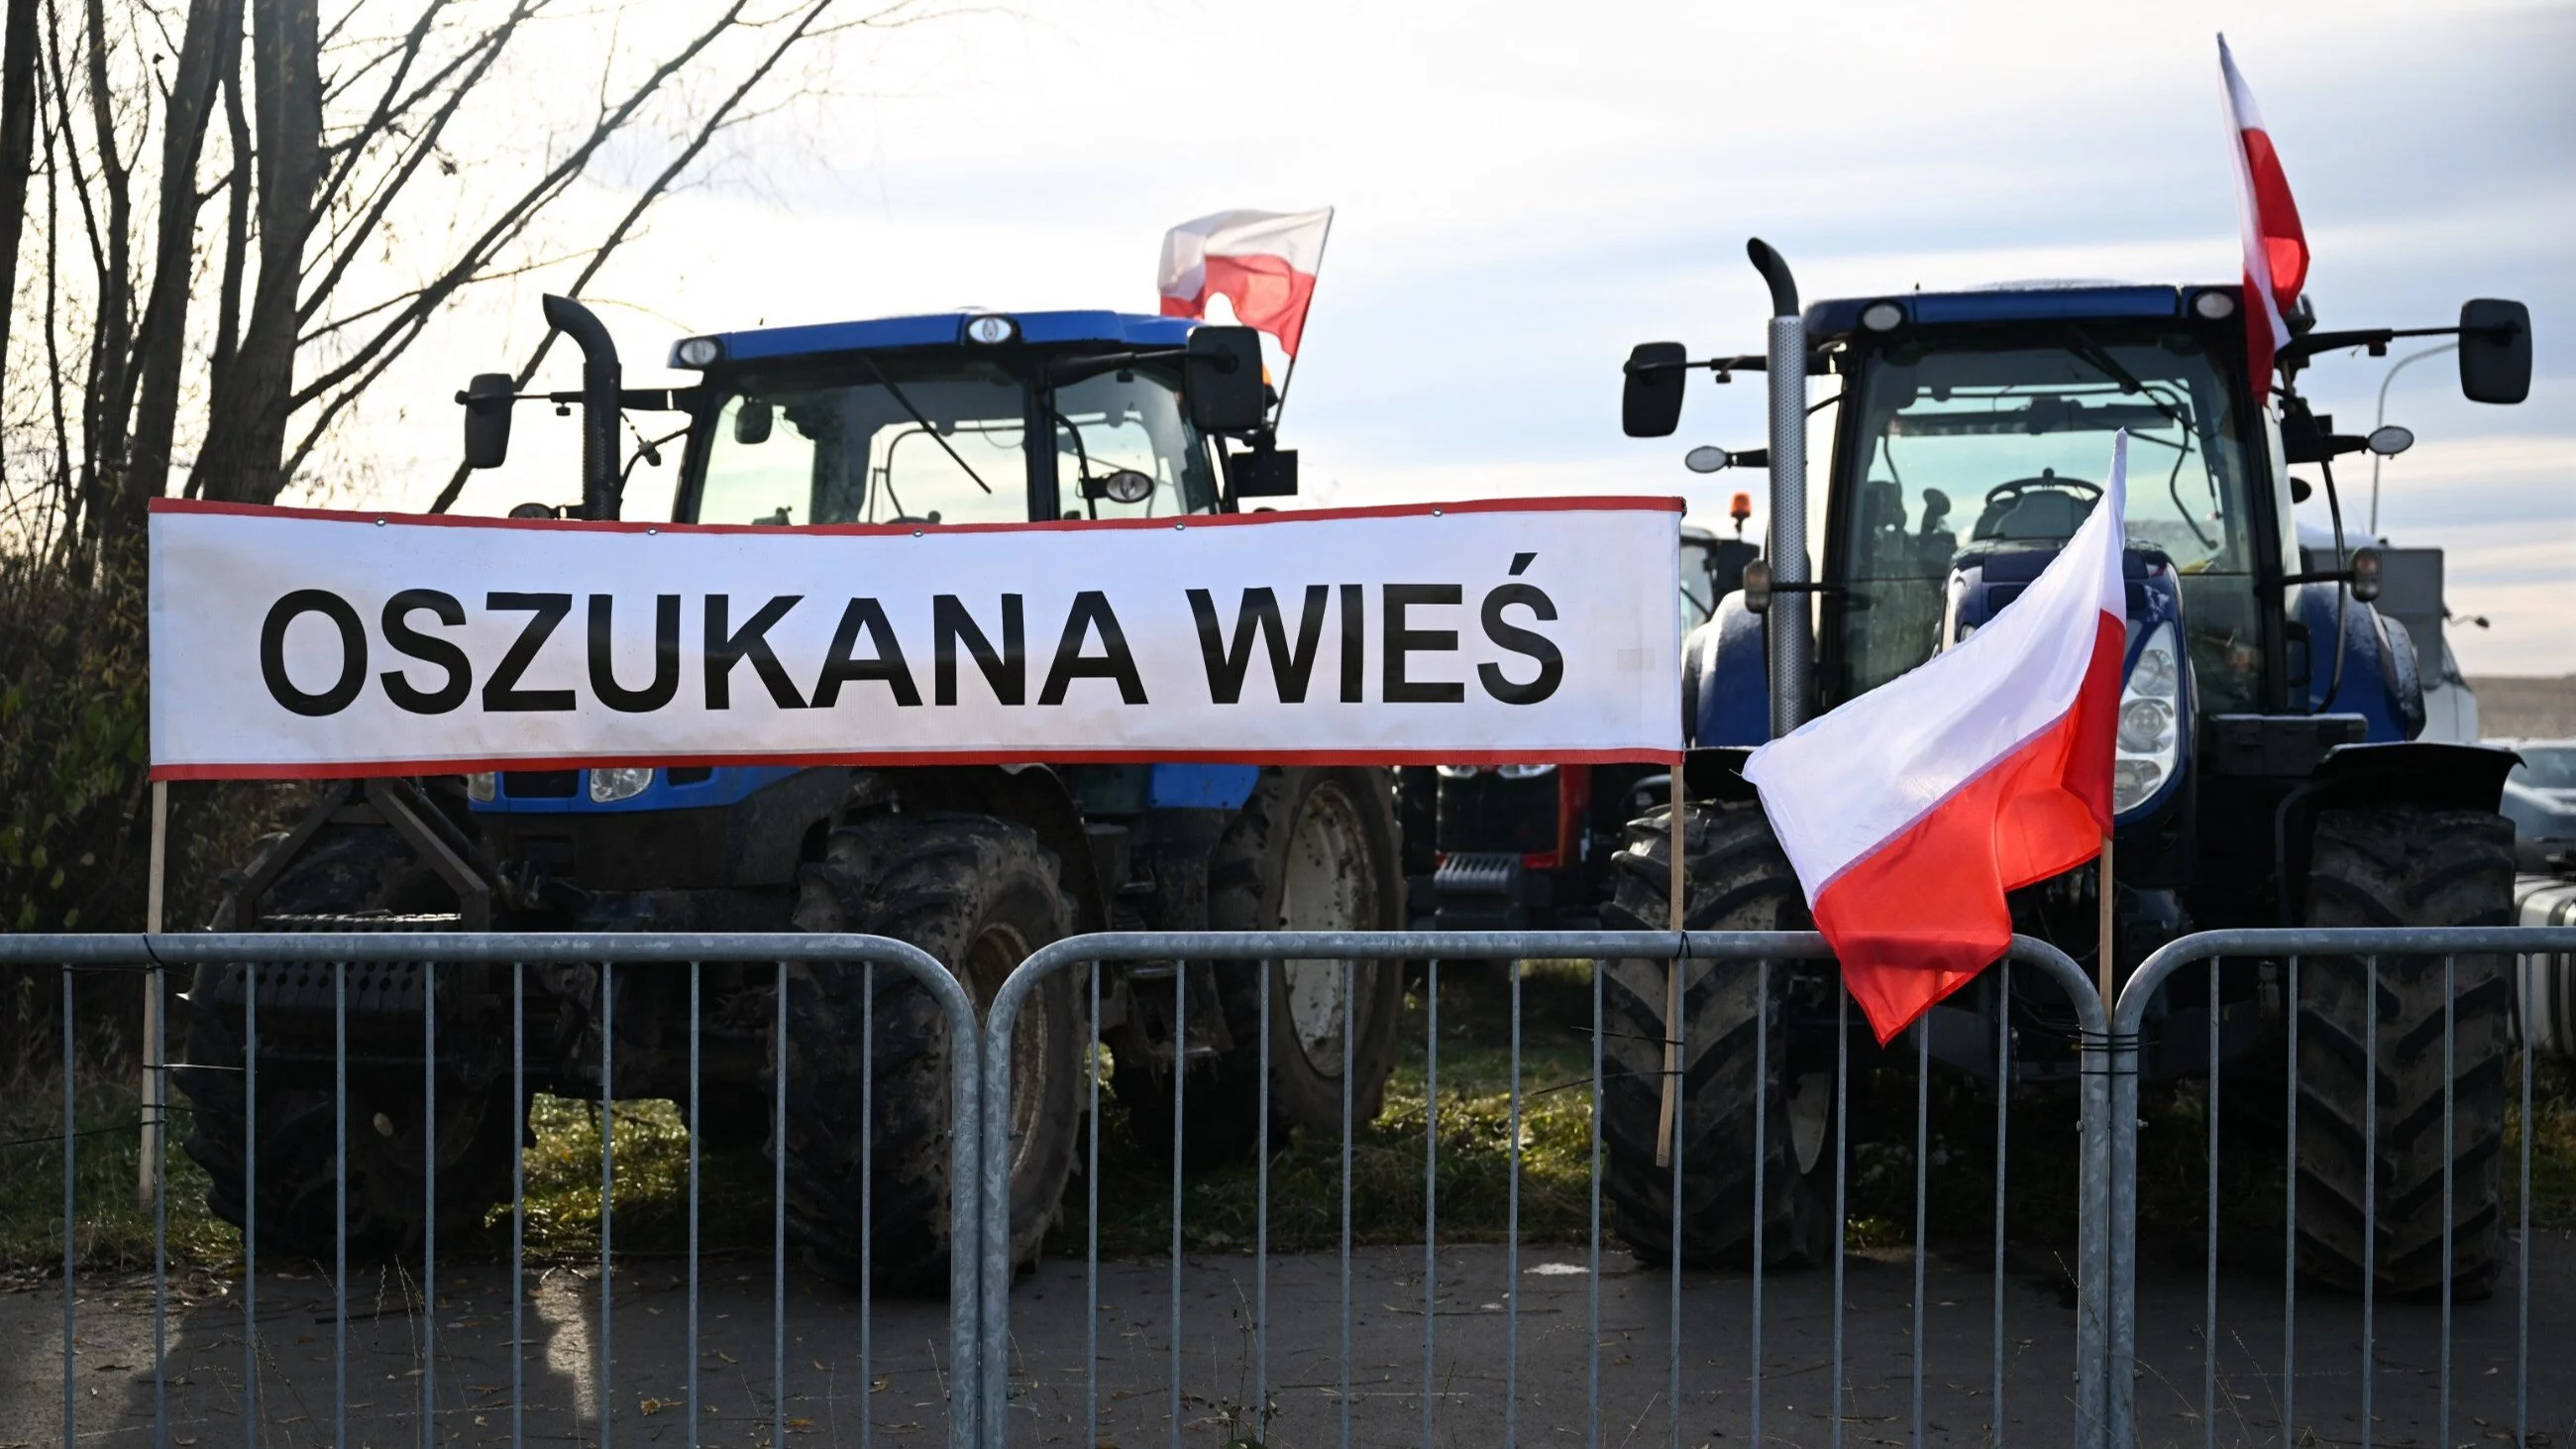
(2526, 708)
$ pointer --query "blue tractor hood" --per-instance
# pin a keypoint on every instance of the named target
(1106, 330)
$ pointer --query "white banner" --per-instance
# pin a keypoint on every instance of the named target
(294, 643)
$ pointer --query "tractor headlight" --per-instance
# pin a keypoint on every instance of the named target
(1461, 772)
(484, 788)
(1524, 772)
(607, 787)
(2150, 734)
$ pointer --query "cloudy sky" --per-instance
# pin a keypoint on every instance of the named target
(1524, 191)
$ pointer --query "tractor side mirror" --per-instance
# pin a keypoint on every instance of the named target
(2495, 350)
(1650, 404)
(2389, 441)
(487, 401)
(753, 420)
(1757, 586)
(1221, 379)
(1262, 473)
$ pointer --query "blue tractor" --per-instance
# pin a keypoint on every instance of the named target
(931, 420)
(2267, 769)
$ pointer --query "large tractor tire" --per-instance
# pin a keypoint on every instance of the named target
(1739, 880)
(980, 894)
(368, 873)
(1311, 850)
(2404, 866)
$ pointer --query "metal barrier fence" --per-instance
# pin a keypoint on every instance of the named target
(2336, 953)
(1723, 951)
(257, 953)
(2104, 1378)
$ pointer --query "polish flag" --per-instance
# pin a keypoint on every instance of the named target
(1262, 262)
(2276, 248)
(1909, 811)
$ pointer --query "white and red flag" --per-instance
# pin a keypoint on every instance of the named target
(1262, 262)
(2276, 248)
(1909, 811)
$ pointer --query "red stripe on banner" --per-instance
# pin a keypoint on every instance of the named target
(1606, 503)
(367, 769)
(1918, 917)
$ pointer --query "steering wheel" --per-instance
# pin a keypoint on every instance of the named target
(2004, 497)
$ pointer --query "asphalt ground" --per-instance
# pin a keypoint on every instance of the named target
(896, 1397)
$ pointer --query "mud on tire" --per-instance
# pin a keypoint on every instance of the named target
(1739, 880)
(980, 894)
(2404, 866)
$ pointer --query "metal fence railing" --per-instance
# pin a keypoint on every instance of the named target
(1524, 1386)
(2412, 1023)
(397, 975)
(1435, 1341)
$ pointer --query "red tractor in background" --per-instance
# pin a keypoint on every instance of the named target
(1527, 847)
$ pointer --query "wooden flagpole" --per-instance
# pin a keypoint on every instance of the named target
(1672, 986)
(2102, 952)
(147, 1185)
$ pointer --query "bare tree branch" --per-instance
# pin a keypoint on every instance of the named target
(490, 52)
(707, 129)
(515, 217)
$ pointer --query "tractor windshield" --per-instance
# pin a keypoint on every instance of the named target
(905, 444)
(1975, 449)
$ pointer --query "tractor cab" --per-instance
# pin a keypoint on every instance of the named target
(972, 418)
(1974, 431)
(1970, 432)
(913, 422)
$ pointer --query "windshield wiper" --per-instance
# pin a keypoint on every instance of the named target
(2085, 349)
(888, 384)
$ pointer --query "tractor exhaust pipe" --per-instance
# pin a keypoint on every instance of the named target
(1791, 628)
(601, 380)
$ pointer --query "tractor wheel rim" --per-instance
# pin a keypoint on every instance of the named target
(989, 962)
(1810, 1104)
(1325, 885)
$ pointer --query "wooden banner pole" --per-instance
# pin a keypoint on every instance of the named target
(2102, 950)
(147, 1184)
(1672, 985)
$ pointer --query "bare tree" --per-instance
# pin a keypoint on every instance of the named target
(230, 219)
(347, 224)
(17, 145)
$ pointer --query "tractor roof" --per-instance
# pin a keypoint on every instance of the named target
(2017, 302)
(948, 329)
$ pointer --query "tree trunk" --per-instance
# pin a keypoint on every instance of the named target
(17, 143)
(246, 434)
(103, 414)
(161, 345)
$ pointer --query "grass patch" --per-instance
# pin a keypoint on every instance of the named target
(1473, 1178)
(2552, 1131)
(112, 1232)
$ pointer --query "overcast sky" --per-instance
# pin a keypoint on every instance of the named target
(1525, 191)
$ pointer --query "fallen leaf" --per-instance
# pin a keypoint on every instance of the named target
(652, 1406)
